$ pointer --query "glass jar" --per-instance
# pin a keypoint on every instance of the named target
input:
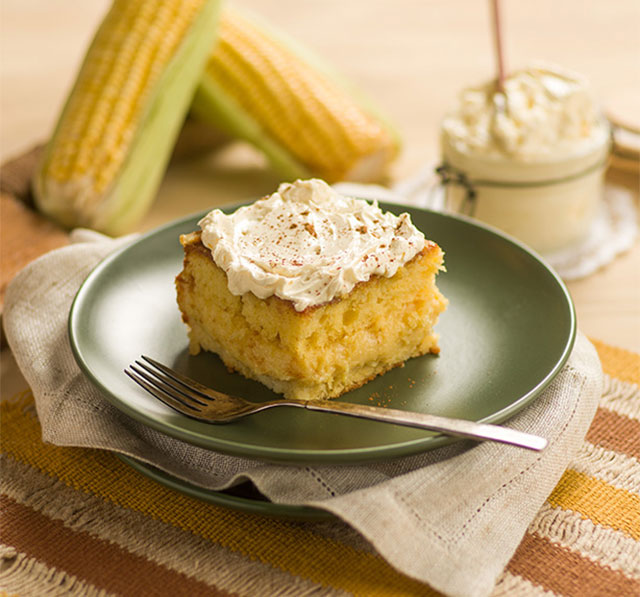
(549, 205)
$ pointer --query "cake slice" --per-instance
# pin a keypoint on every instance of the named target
(311, 293)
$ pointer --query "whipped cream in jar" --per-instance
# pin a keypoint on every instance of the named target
(531, 160)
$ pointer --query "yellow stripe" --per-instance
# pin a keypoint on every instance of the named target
(279, 543)
(618, 362)
(598, 501)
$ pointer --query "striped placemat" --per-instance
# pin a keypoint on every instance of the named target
(80, 522)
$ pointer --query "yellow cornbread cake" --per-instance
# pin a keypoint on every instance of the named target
(312, 345)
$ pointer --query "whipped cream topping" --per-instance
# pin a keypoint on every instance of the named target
(544, 113)
(308, 244)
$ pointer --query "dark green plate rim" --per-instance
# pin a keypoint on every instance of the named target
(225, 499)
(343, 455)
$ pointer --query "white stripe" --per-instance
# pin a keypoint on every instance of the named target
(616, 469)
(152, 539)
(602, 545)
(621, 397)
(512, 585)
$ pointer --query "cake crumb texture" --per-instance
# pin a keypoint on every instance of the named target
(325, 350)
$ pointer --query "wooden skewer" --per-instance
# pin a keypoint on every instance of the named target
(497, 38)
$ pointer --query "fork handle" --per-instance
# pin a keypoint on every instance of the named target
(456, 427)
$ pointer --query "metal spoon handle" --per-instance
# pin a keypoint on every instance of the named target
(457, 427)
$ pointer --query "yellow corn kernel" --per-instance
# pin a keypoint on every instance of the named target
(296, 105)
(114, 93)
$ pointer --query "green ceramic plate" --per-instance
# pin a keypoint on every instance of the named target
(243, 497)
(508, 330)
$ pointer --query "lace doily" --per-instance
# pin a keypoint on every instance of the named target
(613, 231)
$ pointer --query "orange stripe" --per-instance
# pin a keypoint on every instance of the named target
(598, 501)
(98, 562)
(288, 546)
(566, 572)
(615, 432)
(618, 362)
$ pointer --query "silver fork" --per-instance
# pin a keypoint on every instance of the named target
(194, 400)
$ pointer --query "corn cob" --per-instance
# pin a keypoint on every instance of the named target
(269, 91)
(110, 147)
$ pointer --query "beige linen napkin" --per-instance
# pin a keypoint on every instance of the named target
(451, 517)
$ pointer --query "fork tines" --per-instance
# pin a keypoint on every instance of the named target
(167, 386)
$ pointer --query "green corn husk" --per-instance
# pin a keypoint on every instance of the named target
(108, 153)
(268, 90)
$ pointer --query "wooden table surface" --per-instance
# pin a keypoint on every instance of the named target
(412, 56)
